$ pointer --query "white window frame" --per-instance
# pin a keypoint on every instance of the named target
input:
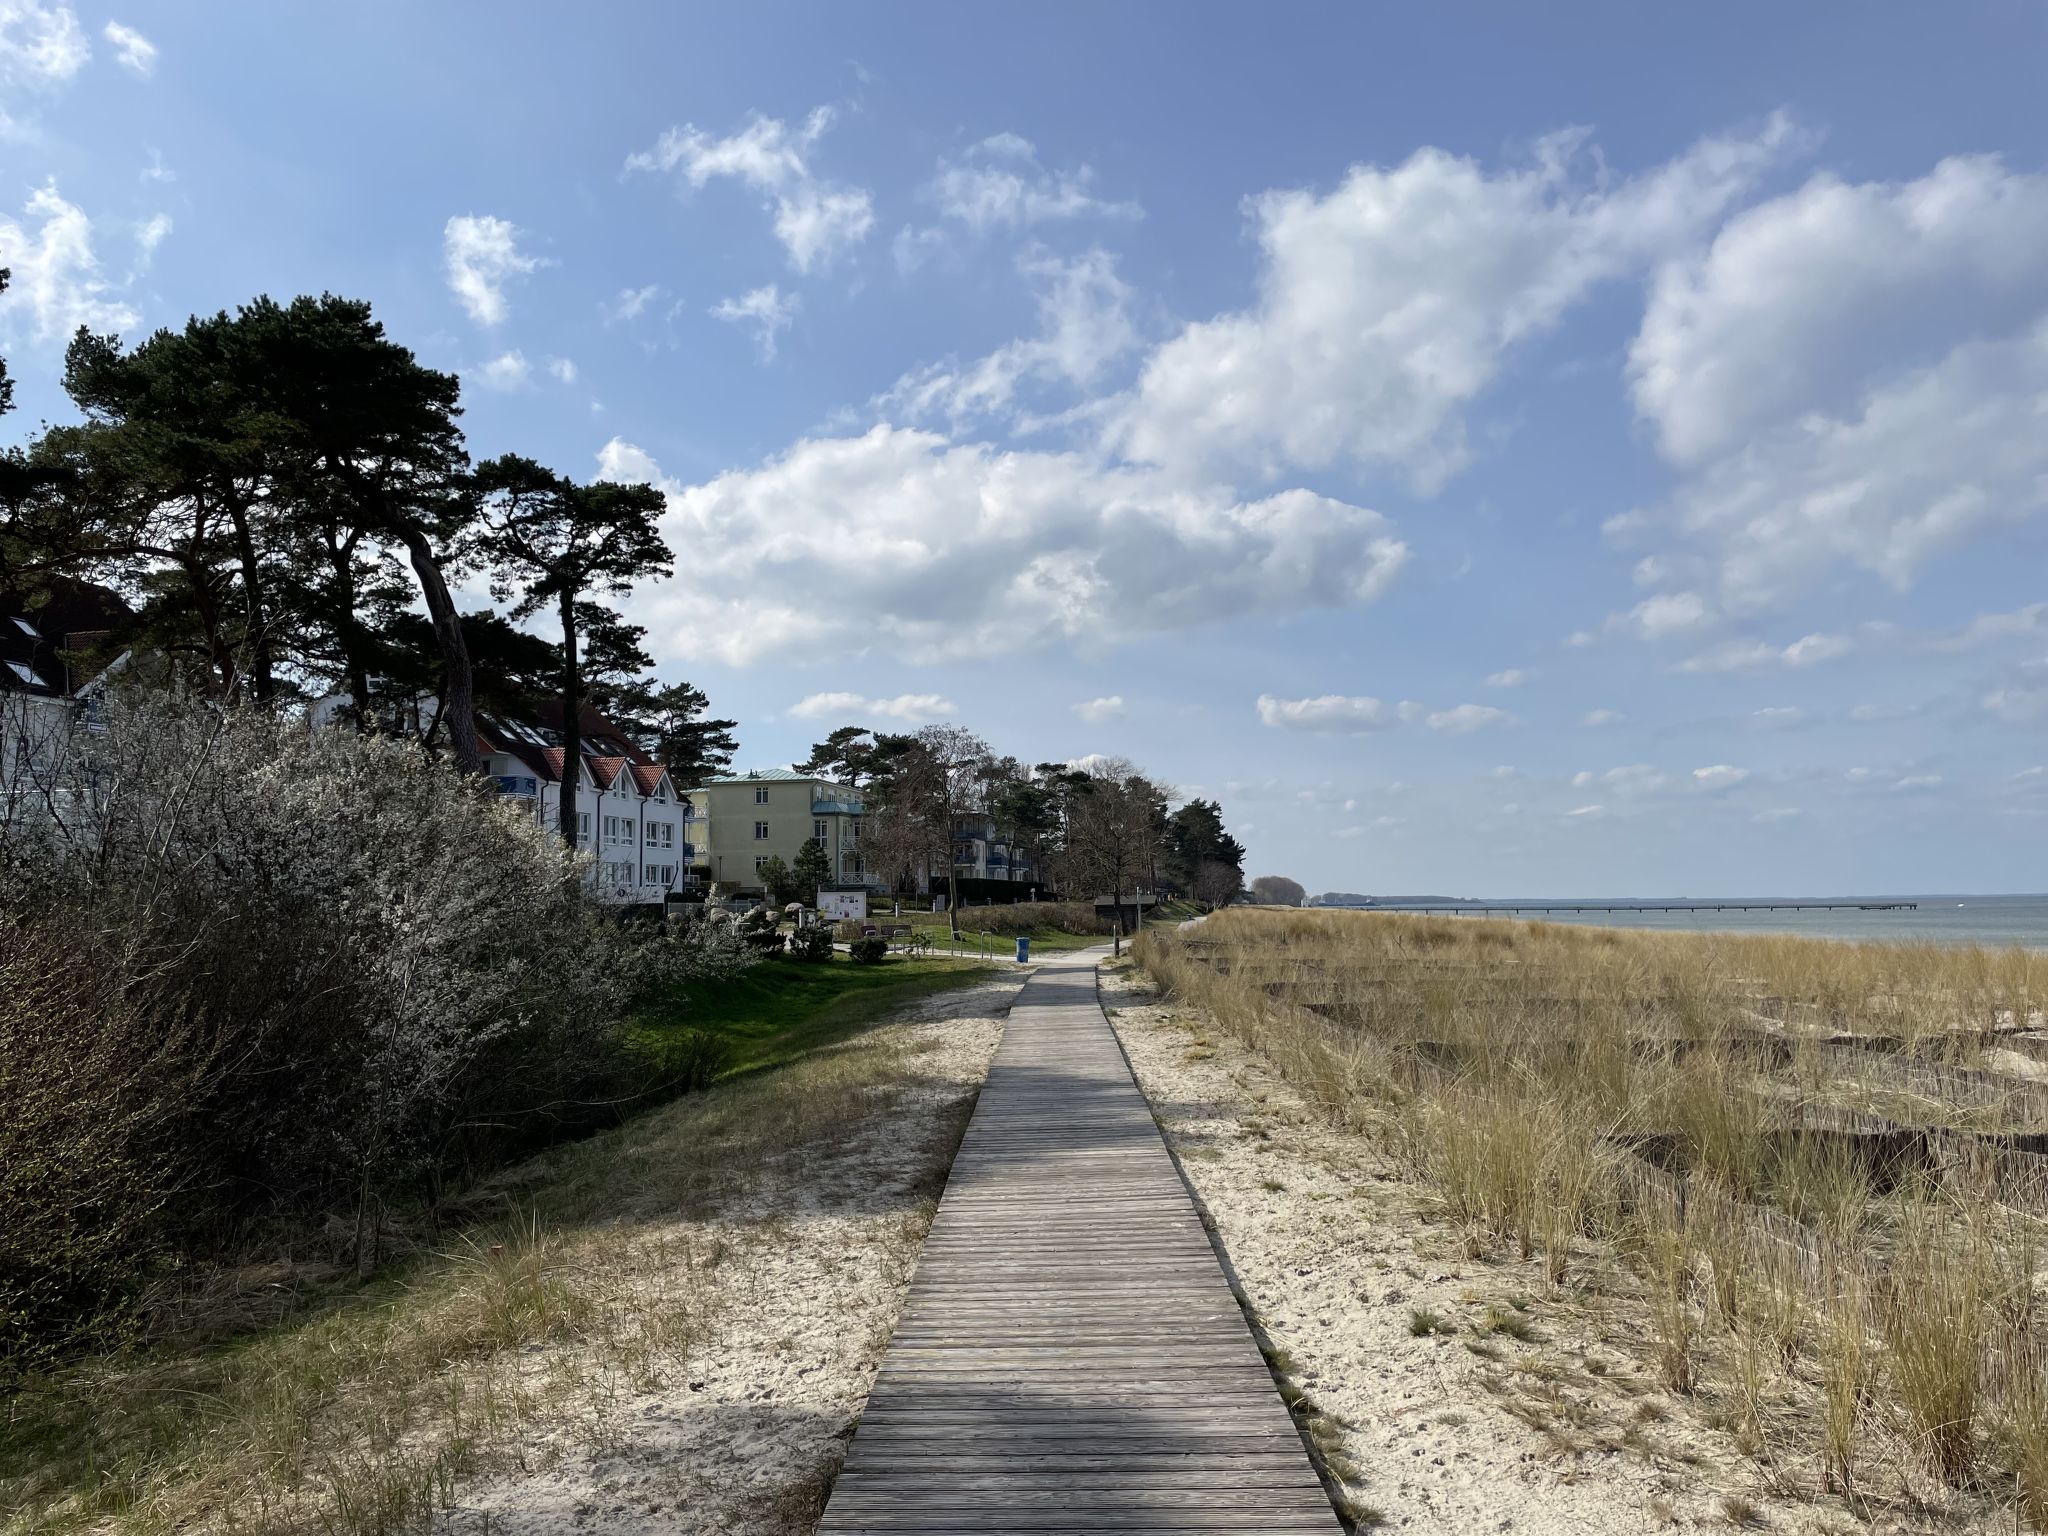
(761, 795)
(760, 831)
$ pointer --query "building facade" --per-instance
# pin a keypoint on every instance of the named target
(643, 834)
(748, 818)
(55, 657)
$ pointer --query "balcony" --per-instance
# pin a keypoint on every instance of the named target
(836, 808)
(525, 786)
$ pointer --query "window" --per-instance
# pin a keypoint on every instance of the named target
(761, 795)
(661, 834)
(818, 830)
(27, 674)
(853, 830)
(759, 860)
(583, 826)
(760, 831)
(625, 829)
(611, 829)
(650, 875)
(28, 629)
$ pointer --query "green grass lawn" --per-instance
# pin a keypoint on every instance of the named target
(779, 1009)
(1002, 946)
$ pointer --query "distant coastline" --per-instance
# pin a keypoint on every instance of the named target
(1910, 917)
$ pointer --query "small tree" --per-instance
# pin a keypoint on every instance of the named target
(777, 880)
(812, 869)
(1112, 825)
(1277, 891)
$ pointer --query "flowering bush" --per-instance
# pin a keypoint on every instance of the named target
(252, 970)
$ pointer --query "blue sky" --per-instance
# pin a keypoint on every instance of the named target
(1588, 451)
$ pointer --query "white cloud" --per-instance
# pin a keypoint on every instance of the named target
(1720, 776)
(1467, 718)
(1779, 717)
(1758, 655)
(563, 369)
(1096, 711)
(506, 371)
(1633, 780)
(914, 707)
(631, 303)
(1512, 677)
(136, 53)
(1084, 326)
(999, 184)
(900, 536)
(482, 255)
(57, 286)
(816, 220)
(1852, 375)
(767, 309)
(1389, 305)
(1801, 298)
(151, 233)
(1916, 782)
(40, 45)
(1654, 618)
(1600, 717)
(1349, 715)
(1589, 812)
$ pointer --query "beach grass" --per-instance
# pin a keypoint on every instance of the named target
(1816, 1158)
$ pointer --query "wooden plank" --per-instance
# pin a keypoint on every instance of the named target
(1070, 1358)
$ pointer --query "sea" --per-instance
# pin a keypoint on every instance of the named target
(1939, 919)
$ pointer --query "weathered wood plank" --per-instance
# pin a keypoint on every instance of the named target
(1070, 1358)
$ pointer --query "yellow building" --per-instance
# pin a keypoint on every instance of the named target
(745, 818)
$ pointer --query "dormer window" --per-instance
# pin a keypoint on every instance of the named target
(27, 674)
(27, 628)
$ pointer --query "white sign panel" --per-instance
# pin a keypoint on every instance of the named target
(843, 906)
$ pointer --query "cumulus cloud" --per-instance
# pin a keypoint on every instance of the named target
(135, 53)
(965, 549)
(1759, 655)
(1633, 780)
(767, 310)
(40, 45)
(57, 284)
(1852, 376)
(1084, 326)
(1341, 714)
(1512, 677)
(1719, 776)
(1389, 305)
(1599, 717)
(816, 220)
(2021, 697)
(1096, 711)
(482, 255)
(917, 708)
(1467, 718)
(563, 369)
(506, 371)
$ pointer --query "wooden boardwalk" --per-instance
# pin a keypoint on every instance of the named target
(1070, 1358)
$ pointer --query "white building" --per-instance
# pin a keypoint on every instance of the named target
(55, 657)
(643, 833)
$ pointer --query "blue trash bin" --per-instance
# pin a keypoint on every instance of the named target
(1023, 947)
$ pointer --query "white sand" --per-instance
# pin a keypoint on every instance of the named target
(746, 1432)
(1332, 1247)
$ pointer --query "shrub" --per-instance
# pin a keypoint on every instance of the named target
(812, 944)
(252, 971)
(871, 950)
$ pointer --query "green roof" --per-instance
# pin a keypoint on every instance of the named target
(767, 775)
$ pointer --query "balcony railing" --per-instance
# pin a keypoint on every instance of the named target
(836, 808)
(524, 785)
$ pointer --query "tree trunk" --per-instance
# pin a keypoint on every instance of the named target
(348, 629)
(261, 669)
(460, 709)
(572, 725)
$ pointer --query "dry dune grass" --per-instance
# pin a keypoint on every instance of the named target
(1826, 1164)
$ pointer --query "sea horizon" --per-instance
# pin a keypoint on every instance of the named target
(1951, 917)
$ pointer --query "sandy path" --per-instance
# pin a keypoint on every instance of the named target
(1333, 1249)
(800, 1281)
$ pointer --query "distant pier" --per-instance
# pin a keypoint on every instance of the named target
(1517, 908)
